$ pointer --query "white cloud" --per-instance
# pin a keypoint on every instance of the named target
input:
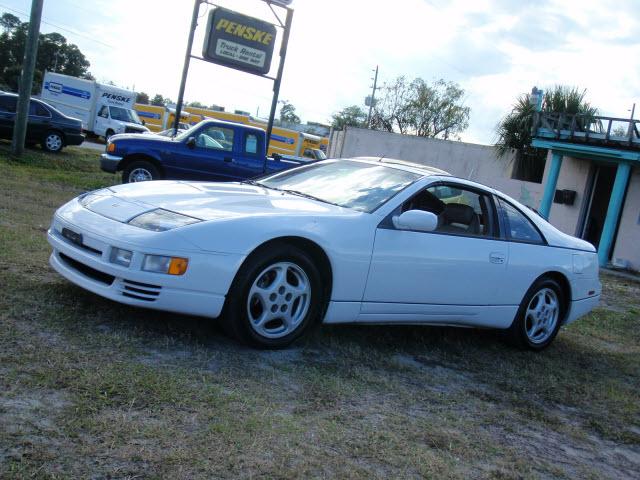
(496, 49)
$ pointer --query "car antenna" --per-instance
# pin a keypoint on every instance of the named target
(380, 159)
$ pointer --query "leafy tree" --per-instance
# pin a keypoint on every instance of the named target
(391, 110)
(288, 113)
(54, 54)
(352, 116)
(514, 130)
(158, 100)
(142, 98)
(197, 105)
(435, 111)
(9, 22)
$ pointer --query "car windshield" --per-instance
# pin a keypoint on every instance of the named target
(347, 183)
(125, 115)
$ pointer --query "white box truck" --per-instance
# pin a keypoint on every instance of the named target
(105, 110)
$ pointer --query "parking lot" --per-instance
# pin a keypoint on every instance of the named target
(93, 389)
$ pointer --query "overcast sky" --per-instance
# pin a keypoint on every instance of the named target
(495, 49)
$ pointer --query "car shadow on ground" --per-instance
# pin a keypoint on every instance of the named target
(153, 326)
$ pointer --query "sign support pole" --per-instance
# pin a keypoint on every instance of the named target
(278, 80)
(185, 68)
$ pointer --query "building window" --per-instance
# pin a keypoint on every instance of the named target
(529, 166)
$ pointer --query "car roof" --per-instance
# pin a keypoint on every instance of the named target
(418, 168)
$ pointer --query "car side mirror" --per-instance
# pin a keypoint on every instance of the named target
(277, 157)
(416, 220)
(191, 142)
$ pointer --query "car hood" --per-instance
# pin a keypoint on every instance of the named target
(203, 200)
(138, 136)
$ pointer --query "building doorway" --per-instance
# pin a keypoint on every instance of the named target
(598, 194)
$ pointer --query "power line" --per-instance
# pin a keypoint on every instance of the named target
(69, 30)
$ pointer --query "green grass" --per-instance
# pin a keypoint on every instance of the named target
(90, 388)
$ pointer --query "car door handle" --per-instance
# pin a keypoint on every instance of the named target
(228, 159)
(497, 257)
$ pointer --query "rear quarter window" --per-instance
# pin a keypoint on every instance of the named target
(518, 227)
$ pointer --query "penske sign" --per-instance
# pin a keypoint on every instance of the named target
(238, 41)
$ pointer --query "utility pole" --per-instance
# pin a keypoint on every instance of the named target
(373, 97)
(26, 78)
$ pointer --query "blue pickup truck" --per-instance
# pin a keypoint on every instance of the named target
(211, 150)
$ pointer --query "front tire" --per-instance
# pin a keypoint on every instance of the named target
(540, 315)
(108, 134)
(275, 298)
(53, 142)
(140, 171)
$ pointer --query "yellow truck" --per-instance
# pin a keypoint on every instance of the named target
(157, 118)
(152, 115)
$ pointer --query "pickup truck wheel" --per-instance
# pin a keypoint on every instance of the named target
(52, 141)
(274, 299)
(140, 171)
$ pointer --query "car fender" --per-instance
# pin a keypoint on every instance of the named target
(347, 242)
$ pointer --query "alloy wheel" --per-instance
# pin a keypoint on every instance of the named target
(278, 300)
(542, 315)
(140, 175)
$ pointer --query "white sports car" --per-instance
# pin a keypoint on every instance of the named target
(350, 240)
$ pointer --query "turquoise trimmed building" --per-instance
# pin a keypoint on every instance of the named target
(604, 194)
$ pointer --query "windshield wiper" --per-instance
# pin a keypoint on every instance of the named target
(310, 197)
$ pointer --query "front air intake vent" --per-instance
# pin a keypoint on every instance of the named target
(140, 291)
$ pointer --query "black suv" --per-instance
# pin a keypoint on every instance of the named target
(47, 126)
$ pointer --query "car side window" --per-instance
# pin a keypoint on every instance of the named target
(460, 211)
(8, 104)
(216, 138)
(38, 110)
(518, 227)
(251, 144)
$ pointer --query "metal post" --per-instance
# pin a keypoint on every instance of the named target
(278, 80)
(26, 79)
(185, 68)
(613, 212)
(550, 186)
(373, 97)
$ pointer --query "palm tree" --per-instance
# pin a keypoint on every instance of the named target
(514, 131)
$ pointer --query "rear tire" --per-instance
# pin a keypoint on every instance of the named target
(140, 171)
(275, 298)
(539, 317)
(53, 141)
(108, 134)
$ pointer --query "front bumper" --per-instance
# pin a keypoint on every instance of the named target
(200, 291)
(109, 163)
(74, 138)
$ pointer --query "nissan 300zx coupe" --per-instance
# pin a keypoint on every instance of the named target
(337, 241)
